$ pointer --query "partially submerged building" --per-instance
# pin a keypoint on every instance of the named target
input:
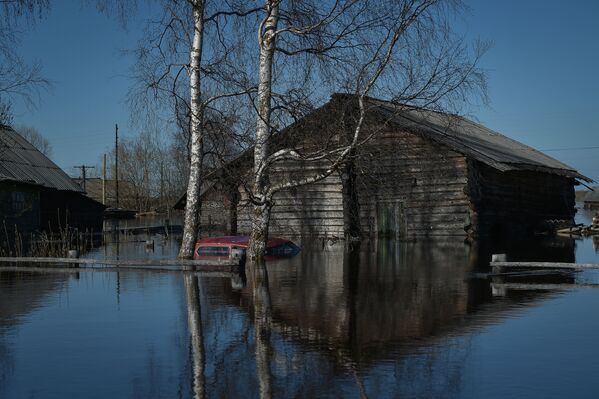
(417, 173)
(591, 199)
(35, 194)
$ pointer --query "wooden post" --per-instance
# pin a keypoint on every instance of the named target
(116, 165)
(84, 175)
(104, 180)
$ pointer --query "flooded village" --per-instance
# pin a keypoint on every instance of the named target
(295, 200)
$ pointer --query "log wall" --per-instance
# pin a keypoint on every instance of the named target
(219, 209)
(410, 187)
(19, 208)
(313, 210)
(518, 202)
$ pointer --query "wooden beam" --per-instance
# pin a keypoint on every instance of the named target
(543, 287)
(58, 269)
(204, 264)
(548, 265)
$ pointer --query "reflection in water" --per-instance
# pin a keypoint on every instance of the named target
(383, 319)
(194, 320)
(21, 294)
(258, 276)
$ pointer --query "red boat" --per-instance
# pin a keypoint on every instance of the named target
(218, 248)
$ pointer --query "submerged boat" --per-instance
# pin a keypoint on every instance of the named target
(223, 247)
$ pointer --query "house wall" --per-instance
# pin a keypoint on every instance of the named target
(219, 210)
(62, 208)
(409, 187)
(315, 209)
(518, 202)
(19, 207)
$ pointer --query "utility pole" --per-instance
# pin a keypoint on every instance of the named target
(116, 164)
(83, 174)
(104, 180)
(161, 184)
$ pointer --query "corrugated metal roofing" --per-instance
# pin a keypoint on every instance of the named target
(473, 140)
(22, 162)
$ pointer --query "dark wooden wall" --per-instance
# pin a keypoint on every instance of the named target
(219, 209)
(315, 209)
(62, 208)
(518, 202)
(410, 187)
(19, 207)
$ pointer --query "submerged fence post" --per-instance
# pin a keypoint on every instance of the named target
(498, 258)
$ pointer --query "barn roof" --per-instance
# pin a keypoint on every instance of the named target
(472, 139)
(22, 162)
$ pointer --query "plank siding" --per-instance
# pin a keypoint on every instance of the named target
(518, 202)
(311, 210)
(427, 180)
(219, 209)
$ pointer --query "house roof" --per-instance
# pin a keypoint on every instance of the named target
(472, 139)
(22, 162)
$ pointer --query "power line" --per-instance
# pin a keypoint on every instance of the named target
(572, 148)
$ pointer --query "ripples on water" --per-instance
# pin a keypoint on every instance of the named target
(389, 320)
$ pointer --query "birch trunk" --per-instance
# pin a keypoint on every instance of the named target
(193, 206)
(261, 215)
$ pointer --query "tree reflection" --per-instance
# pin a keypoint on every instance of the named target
(194, 321)
(258, 276)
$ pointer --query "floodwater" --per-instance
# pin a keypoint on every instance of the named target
(388, 320)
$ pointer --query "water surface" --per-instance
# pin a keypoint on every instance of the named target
(386, 320)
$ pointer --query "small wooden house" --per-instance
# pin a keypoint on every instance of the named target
(591, 199)
(35, 194)
(416, 173)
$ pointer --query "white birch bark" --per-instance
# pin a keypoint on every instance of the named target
(193, 205)
(261, 214)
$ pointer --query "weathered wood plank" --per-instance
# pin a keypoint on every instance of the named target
(542, 287)
(132, 269)
(548, 265)
(122, 262)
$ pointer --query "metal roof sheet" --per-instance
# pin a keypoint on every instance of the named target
(22, 162)
(473, 140)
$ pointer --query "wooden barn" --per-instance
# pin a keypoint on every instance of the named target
(591, 199)
(420, 174)
(35, 194)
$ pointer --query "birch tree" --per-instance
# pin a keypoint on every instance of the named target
(185, 70)
(192, 210)
(402, 49)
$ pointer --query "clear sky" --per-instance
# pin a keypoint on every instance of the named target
(543, 77)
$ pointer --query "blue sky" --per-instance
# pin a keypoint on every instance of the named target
(543, 77)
